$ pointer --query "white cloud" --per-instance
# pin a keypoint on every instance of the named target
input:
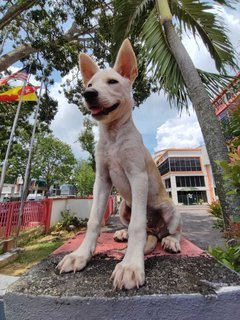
(68, 122)
(180, 132)
(152, 113)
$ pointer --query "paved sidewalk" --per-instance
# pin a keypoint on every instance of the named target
(5, 281)
(198, 227)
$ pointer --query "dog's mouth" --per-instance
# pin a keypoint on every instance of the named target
(97, 111)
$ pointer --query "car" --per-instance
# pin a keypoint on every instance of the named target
(35, 197)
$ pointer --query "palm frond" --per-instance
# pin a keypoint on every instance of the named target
(127, 14)
(228, 3)
(214, 83)
(165, 69)
(163, 65)
(200, 19)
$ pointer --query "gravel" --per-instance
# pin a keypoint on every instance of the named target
(164, 275)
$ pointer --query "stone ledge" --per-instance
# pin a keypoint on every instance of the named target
(221, 306)
(176, 287)
(7, 257)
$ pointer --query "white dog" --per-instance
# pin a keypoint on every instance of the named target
(123, 161)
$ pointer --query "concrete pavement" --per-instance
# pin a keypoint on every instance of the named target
(5, 282)
(198, 227)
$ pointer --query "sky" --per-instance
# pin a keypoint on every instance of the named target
(160, 125)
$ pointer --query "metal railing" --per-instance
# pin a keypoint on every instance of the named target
(34, 215)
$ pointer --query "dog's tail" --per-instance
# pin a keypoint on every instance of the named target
(150, 244)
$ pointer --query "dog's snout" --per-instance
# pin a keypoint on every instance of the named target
(90, 95)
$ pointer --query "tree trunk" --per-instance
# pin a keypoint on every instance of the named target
(24, 50)
(15, 55)
(210, 126)
(14, 11)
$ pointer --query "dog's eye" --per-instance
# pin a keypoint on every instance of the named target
(112, 81)
(89, 85)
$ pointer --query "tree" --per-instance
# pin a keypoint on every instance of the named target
(39, 34)
(84, 178)
(173, 68)
(232, 168)
(87, 141)
(53, 161)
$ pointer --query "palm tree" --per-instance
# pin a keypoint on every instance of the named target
(173, 68)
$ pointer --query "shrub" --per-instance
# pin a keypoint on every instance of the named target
(233, 230)
(216, 210)
(232, 175)
(230, 256)
(69, 219)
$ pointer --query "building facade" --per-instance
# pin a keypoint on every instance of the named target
(187, 175)
(227, 100)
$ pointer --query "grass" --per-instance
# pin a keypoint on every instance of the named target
(34, 251)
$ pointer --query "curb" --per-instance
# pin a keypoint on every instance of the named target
(221, 306)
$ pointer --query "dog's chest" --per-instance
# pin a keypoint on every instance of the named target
(114, 163)
(114, 160)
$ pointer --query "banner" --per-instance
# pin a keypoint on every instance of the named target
(15, 93)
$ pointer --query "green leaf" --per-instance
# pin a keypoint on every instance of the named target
(201, 19)
(191, 16)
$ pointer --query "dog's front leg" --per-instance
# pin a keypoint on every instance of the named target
(78, 259)
(130, 272)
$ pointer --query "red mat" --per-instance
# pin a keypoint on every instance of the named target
(108, 246)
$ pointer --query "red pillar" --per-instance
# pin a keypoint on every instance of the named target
(108, 211)
(9, 220)
(48, 212)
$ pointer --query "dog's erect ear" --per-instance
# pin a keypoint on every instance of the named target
(87, 67)
(126, 62)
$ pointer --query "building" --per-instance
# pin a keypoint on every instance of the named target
(228, 99)
(12, 192)
(187, 175)
(38, 186)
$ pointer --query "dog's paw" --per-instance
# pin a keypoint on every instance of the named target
(127, 276)
(121, 235)
(72, 262)
(171, 244)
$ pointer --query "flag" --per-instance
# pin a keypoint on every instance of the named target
(15, 93)
(19, 75)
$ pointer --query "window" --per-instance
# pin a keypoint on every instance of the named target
(167, 183)
(190, 181)
(180, 164)
(164, 167)
(185, 164)
(191, 197)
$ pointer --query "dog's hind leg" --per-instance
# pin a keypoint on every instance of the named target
(125, 215)
(173, 219)
(150, 244)
(122, 235)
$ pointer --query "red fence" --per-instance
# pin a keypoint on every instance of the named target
(34, 214)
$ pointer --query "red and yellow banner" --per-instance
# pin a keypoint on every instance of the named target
(15, 93)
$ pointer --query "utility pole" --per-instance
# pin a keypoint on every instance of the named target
(5, 163)
(28, 166)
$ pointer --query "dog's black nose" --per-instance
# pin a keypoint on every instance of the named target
(90, 95)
